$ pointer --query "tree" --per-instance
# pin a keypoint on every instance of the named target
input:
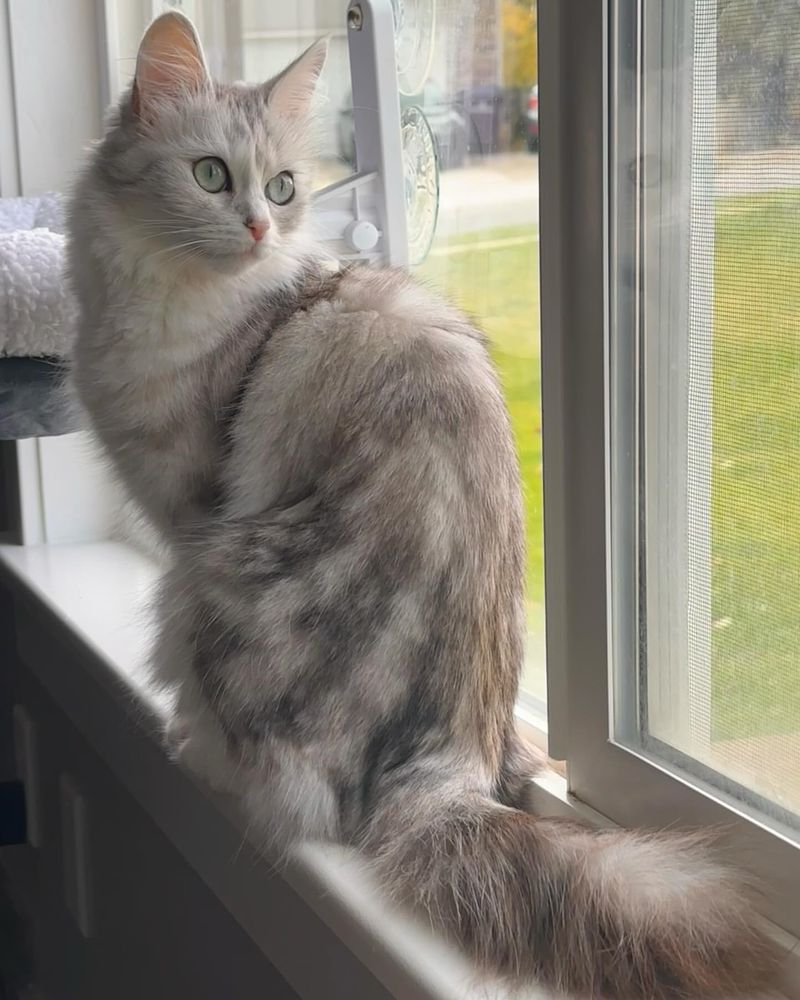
(758, 65)
(520, 67)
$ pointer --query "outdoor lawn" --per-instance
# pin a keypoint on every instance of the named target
(756, 468)
(756, 438)
(498, 282)
(500, 286)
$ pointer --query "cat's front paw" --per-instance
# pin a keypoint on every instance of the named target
(199, 745)
(176, 733)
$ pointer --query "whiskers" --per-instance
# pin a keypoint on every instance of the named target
(179, 253)
(187, 238)
(174, 253)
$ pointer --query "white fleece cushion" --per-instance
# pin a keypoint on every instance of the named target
(37, 311)
(45, 211)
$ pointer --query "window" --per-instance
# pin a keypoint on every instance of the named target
(682, 608)
(719, 448)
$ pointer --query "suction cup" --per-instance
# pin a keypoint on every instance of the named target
(414, 24)
(421, 175)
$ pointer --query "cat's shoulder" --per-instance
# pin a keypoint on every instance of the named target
(394, 293)
(364, 321)
(392, 305)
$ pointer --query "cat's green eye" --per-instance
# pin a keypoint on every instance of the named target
(280, 189)
(211, 174)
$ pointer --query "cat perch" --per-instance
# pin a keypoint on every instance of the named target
(37, 319)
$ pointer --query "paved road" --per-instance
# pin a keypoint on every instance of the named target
(752, 173)
(503, 190)
(492, 191)
(495, 191)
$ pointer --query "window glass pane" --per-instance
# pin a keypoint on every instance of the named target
(482, 102)
(707, 274)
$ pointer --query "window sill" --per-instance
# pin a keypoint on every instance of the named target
(92, 599)
(93, 596)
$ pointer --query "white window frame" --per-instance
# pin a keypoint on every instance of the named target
(586, 507)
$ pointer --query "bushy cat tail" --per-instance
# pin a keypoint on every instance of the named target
(594, 914)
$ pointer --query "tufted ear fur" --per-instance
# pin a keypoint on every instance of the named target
(291, 92)
(170, 62)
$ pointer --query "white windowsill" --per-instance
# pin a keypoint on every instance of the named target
(99, 591)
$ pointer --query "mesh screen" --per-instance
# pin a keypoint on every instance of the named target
(743, 477)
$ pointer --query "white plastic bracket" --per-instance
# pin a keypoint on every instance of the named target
(363, 217)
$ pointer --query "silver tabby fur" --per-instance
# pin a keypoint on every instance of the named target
(329, 459)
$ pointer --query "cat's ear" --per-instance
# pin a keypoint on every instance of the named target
(292, 91)
(170, 62)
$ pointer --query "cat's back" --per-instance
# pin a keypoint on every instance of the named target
(370, 366)
(374, 345)
(389, 313)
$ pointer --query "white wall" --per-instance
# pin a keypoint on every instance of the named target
(51, 78)
(274, 34)
(253, 40)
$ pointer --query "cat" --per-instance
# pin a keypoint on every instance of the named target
(328, 455)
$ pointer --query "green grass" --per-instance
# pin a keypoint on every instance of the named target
(755, 492)
(500, 287)
(755, 516)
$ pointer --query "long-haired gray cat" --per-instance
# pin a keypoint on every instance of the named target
(329, 458)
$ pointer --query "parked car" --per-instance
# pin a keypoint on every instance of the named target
(448, 125)
(531, 123)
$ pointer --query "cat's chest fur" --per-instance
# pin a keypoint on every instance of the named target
(158, 371)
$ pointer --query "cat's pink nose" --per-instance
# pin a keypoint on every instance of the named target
(258, 228)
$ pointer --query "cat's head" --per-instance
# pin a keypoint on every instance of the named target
(206, 174)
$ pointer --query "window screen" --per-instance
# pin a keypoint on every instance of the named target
(752, 241)
(708, 223)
